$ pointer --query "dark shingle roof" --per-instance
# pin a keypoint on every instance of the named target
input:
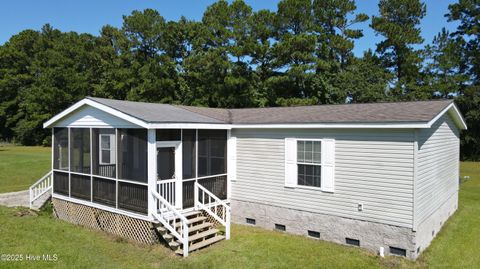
(398, 112)
(153, 112)
(420, 111)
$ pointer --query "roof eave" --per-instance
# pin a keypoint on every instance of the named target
(90, 102)
(454, 112)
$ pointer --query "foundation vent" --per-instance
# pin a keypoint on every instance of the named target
(352, 242)
(251, 221)
(398, 251)
(314, 234)
(280, 227)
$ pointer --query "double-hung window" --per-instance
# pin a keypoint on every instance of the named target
(107, 149)
(309, 163)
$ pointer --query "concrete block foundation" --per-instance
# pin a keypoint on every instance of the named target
(371, 235)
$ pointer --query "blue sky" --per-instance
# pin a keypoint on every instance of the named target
(90, 15)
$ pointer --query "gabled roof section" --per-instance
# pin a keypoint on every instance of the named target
(419, 114)
(156, 113)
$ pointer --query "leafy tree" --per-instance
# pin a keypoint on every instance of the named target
(467, 14)
(398, 23)
(446, 73)
(335, 35)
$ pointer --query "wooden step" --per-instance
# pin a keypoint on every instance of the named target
(175, 245)
(166, 233)
(192, 213)
(191, 221)
(202, 234)
(202, 244)
(200, 227)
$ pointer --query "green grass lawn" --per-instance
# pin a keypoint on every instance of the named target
(456, 246)
(20, 167)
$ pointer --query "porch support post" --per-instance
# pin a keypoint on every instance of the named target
(152, 170)
(179, 174)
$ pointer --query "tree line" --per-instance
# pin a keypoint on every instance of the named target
(301, 54)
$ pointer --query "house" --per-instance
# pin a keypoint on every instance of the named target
(380, 176)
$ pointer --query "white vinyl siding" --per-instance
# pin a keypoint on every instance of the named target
(374, 168)
(437, 167)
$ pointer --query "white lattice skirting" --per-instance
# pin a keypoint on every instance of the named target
(126, 227)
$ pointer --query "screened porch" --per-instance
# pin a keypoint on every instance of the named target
(117, 167)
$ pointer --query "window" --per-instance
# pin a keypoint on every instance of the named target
(104, 153)
(107, 149)
(309, 162)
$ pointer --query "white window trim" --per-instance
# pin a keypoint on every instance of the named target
(315, 164)
(111, 149)
(322, 163)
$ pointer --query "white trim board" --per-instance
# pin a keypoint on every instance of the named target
(103, 207)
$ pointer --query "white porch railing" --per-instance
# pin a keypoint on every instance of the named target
(214, 206)
(168, 216)
(39, 188)
(166, 189)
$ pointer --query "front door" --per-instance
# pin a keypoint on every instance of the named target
(165, 163)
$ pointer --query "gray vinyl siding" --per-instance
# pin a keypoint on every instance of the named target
(437, 167)
(373, 167)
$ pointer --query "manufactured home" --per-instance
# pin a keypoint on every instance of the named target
(379, 176)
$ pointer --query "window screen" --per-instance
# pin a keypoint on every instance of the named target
(168, 135)
(60, 150)
(132, 154)
(80, 150)
(309, 163)
(188, 147)
(212, 146)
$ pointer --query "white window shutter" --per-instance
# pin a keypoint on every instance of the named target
(232, 158)
(290, 162)
(328, 165)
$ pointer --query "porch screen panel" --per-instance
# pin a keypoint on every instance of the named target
(188, 145)
(104, 152)
(168, 134)
(212, 149)
(80, 186)
(104, 191)
(132, 154)
(60, 148)
(216, 185)
(60, 183)
(188, 194)
(80, 150)
(132, 197)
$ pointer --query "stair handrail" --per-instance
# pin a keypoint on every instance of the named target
(171, 214)
(40, 187)
(224, 218)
